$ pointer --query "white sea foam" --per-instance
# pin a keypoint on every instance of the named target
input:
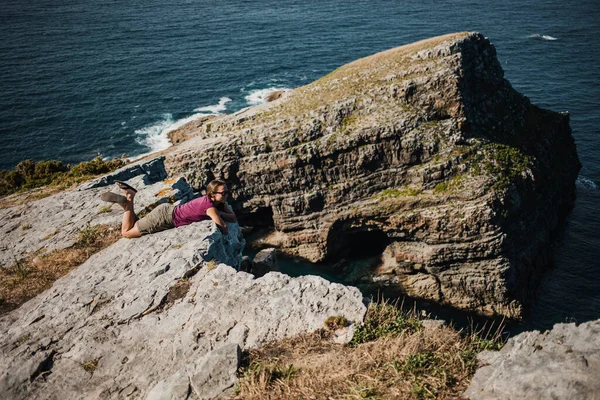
(215, 108)
(259, 96)
(542, 37)
(155, 136)
(585, 183)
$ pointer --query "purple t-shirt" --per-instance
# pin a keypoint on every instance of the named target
(192, 211)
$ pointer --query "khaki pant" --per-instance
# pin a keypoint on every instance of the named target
(159, 219)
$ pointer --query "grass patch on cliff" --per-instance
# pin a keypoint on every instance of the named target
(452, 185)
(503, 163)
(29, 175)
(392, 355)
(30, 276)
(395, 193)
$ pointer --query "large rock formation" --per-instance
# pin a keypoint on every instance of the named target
(158, 317)
(424, 153)
(559, 364)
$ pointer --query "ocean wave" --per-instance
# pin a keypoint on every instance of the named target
(215, 108)
(542, 37)
(585, 183)
(259, 96)
(155, 136)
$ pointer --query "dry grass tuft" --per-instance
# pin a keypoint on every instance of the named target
(105, 209)
(30, 276)
(51, 234)
(212, 264)
(90, 365)
(395, 363)
(336, 322)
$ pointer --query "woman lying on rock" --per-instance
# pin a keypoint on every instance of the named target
(166, 216)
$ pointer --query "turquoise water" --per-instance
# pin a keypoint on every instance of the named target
(82, 78)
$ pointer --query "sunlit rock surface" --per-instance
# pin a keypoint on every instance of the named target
(424, 153)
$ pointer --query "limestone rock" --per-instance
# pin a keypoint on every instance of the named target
(209, 377)
(160, 316)
(425, 150)
(216, 372)
(55, 221)
(563, 363)
(265, 261)
(344, 335)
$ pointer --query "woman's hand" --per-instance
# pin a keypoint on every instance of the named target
(227, 214)
(215, 216)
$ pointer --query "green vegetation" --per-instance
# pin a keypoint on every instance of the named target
(20, 268)
(268, 147)
(505, 163)
(362, 391)
(394, 192)
(337, 322)
(105, 209)
(90, 366)
(212, 264)
(384, 320)
(346, 123)
(88, 235)
(392, 355)
(22, 339)
(453, 184)
(348, 79)
(51, 234)
(441, 187)
(274, 373)
(502, 162)
(29, 175)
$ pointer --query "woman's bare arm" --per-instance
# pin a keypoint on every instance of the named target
(227, 214)
(214, 215)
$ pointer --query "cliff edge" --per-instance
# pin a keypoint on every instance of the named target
(424, 154)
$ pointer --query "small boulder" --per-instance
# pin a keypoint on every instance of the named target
(246, 264)
(265, 261)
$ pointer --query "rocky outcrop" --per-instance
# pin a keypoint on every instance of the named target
(265, 261)
(423, 153)
(158, 317)
(54, 222)
(559, 364)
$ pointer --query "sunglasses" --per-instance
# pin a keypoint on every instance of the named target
(223, 193)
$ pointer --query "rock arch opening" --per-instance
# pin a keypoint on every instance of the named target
(346, 242)
(258, 218)
(362, 244)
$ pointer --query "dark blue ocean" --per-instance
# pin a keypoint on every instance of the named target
(81, 78)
